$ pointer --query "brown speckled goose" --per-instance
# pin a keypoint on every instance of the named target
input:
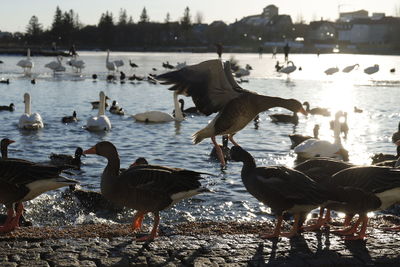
(213, 89)
(281, 188)
(145, 188)
(22, 180)
(383, 185)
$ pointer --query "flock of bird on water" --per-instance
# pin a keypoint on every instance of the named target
(324, 178)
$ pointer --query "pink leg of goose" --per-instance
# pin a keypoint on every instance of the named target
(277, 229)
(295, 228)
(230, 137)
(218, 149)
(351, 230)
(12, 221)
(361, 234)
(153, 233)
(138, 219)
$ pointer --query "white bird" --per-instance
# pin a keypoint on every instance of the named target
(77, 64)
(312, 148)
(288, 69)
(113, 65)
(372, 69)
(27, 64)
(331, 71)
(56, 66)
(28, 120)
(158, 116)
(100, 122)
(350, 68)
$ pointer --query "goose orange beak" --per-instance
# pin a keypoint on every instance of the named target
(303, 111)
(90, 151)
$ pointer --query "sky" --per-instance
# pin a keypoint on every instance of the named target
(15, 14)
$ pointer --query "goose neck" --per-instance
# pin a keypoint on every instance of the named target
(110, 173)
(263, 102)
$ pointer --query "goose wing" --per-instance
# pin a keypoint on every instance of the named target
(210, 84)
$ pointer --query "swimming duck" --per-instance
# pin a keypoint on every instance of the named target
(68, 160)
(69, 119)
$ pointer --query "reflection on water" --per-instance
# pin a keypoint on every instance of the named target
(170, 143)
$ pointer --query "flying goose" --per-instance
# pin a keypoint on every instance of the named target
(281, 188)
(22, 180)
(145, 188)
(214, 90)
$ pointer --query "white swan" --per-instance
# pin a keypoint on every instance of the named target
(288, 69)
(27, 120)
(27, 64)
(158, 116)
(76, 64)
(312, 148)
(331, 71)
(372, 69)
(56, 66)
(100, 122)
(350, 68)
(113, 65)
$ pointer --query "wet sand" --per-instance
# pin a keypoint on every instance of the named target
(196, 244)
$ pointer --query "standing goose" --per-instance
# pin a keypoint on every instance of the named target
(316, 111)
(68, 160)
(26, 64)
(159, 116)
(383, 185)
(22, 180)
(145, 188)
(100, 122)
(69, 119)
(213, 89)
(28, 120)
(280, 188)
(297, 139)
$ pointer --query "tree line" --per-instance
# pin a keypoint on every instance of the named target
(123, 33)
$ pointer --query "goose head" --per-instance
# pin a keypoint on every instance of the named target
(5, 142)
(105, 149)
(12, 107)
(295, 106)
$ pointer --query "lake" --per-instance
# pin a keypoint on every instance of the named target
(169, 144)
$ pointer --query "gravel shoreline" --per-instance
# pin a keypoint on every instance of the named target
(195, 244)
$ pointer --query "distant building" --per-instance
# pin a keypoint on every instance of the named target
(374, 30)
(270, 11)
(349, 16)
(321, 32)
